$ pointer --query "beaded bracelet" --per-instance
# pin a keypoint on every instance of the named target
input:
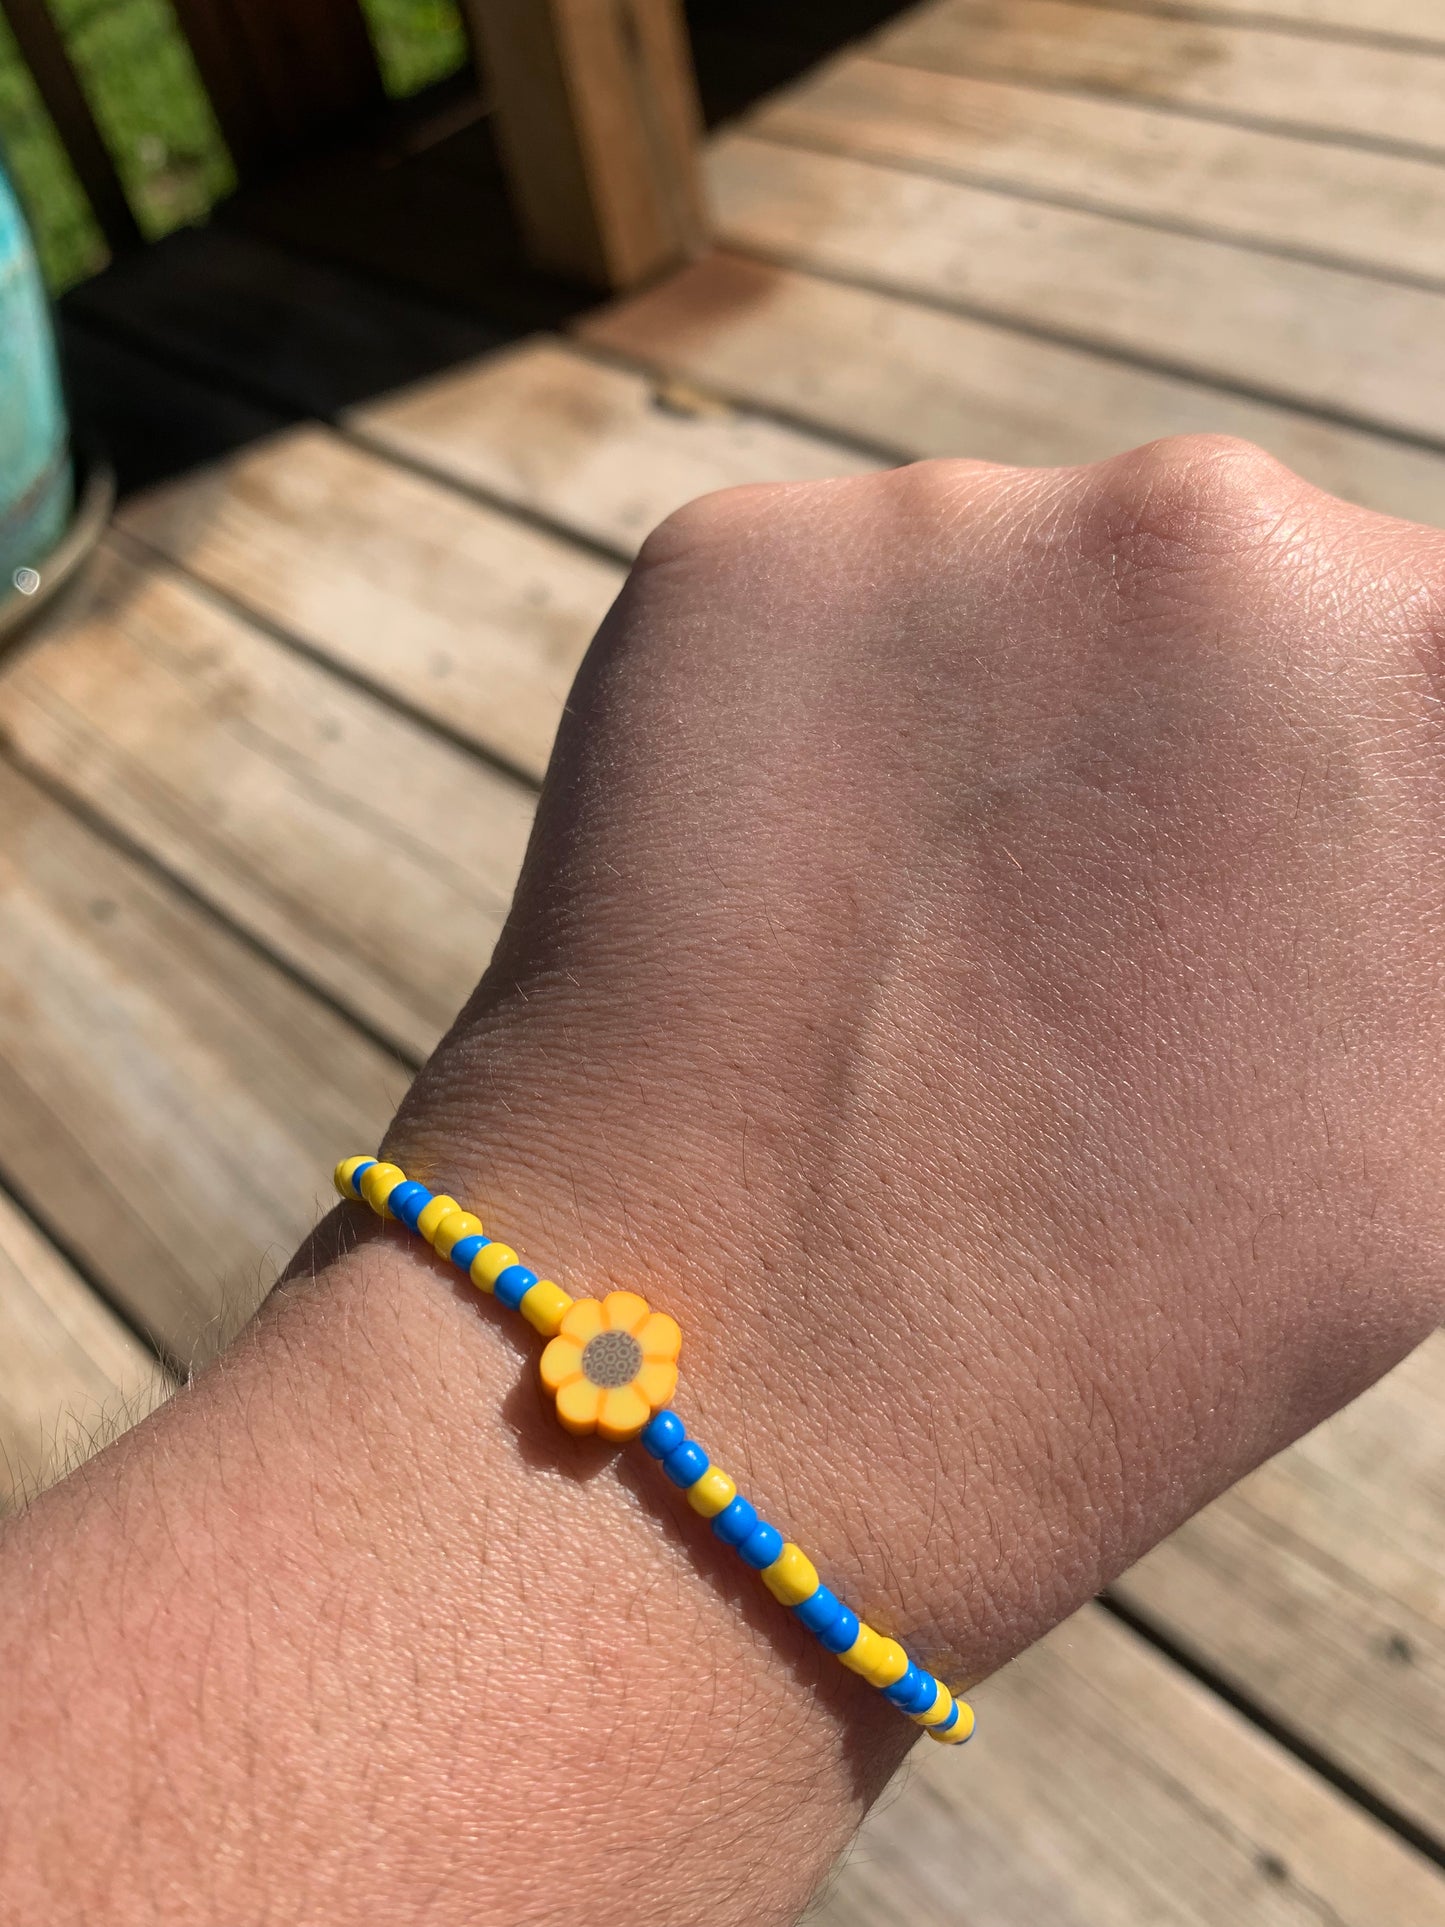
(611, 1366)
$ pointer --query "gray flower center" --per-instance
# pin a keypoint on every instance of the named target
(611, 1359)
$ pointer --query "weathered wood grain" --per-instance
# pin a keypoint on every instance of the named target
(1418, 20)
(598, 126)
(1318, 1588)
(602, 451)
(465, 614)
(918, 381)
(71, 1374)
(1105, 1789)
(1357, 208)
(1292, 330)
(168, 1096)
(376, 859)
(1351, 89)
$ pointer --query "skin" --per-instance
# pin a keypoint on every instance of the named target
(978, 966)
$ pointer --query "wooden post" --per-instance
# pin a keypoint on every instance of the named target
(598, 126)
(43, 51)
(281, 74)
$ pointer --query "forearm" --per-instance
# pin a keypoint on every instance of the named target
(354, 1631)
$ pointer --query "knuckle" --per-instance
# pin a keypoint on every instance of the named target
(1204, 508)
(726, 517)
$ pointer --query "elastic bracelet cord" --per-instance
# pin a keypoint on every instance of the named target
(611, 1366)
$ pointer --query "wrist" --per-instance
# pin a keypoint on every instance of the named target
(798, 1380)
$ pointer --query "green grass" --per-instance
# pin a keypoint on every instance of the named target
(417, 42)
(153, 113)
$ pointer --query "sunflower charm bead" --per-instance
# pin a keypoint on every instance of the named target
(611, 1366)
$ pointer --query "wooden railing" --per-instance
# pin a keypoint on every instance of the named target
(595, 107)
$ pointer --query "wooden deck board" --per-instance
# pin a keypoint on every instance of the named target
(468, 616)
(604, 452)
(918, 381)
(1420, 21)
(373, 858)
(1344, 205)
(292, 332)
(1290, 330)
(71, 1373)
(147, 1057)
(1349, 88)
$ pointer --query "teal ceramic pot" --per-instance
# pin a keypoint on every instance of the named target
(35, 473)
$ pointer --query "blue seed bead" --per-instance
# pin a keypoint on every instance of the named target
(903, 1692)
(839, 1634)
(926, 1695)
(762, 1546)
(833, 1625)
(945, 1726)
(407, 1202)
(465, 1249)
(686, 1463)
(662, 1434)
(819, 1609)
(512, 1285)
(359, 1173)
(736, 1520)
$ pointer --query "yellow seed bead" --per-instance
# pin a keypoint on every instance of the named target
(961, 1730)
(432, 1215)
(940, 1709)
(891, 1665)
(343, 1174)
(864, 1651)
(709, 1494)
(792, 1577)
(455, 1226)
(544, 1306)
(378, 1183)
(489, 1264)
(881, 1661)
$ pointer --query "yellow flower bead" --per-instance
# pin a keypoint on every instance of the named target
(611, 1365)
(961, 1730)
(455, 1226)
(489, 1264)
(712, 1492)
(432, 1215)
(343, 1174)
(544, 1306)
(792, 1577)
(378, 1183)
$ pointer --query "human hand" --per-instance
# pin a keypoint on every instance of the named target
(978, 965)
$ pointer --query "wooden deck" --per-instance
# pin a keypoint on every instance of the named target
(303, 699)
